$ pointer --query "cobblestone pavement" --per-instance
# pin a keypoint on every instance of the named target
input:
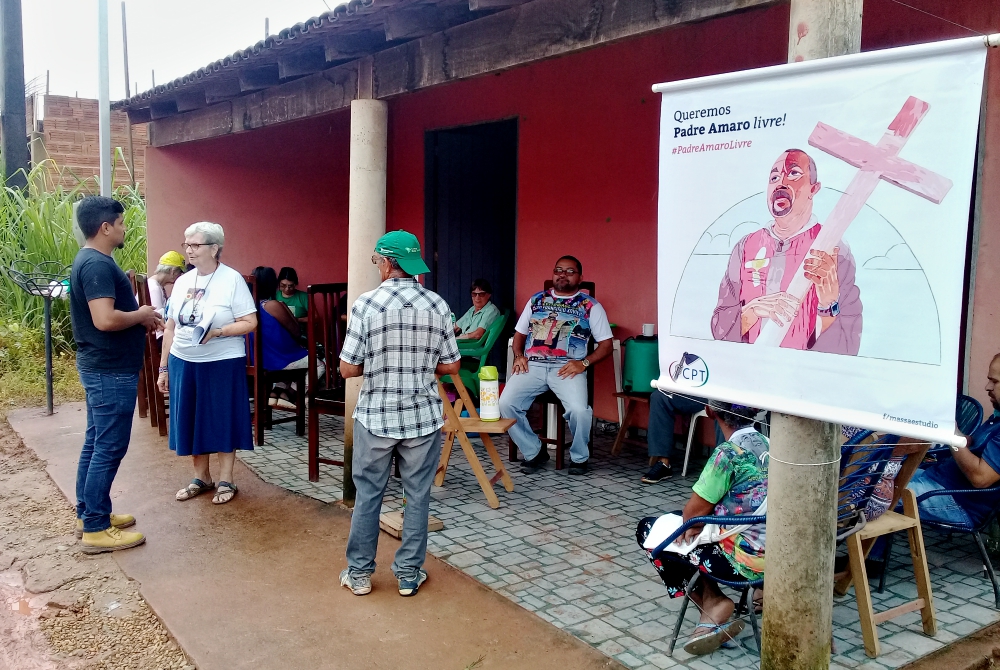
(564, 548)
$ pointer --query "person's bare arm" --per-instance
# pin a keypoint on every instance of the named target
(520, 361)
(448, 368)
(474, 335)
(976, 470)
(574, 368)
(109, 319)
(347, 370)
(162, 379)
(696, 506)
(241, 326)
(280, 311)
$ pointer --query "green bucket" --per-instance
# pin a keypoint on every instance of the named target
(642, 364)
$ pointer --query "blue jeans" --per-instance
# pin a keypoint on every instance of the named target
(418, 462)
(939, 508)
(521, 390)
(110, 407)
(662, 408)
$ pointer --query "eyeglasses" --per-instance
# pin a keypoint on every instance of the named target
(194, 246)
(376, 259)
(569, 272)
(479, 294)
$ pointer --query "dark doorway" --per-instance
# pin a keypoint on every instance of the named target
(470, 214)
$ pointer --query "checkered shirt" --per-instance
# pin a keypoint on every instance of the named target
(400, 332)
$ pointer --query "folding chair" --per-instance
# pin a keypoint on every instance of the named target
(458, 426)
(745, 587)
(861, 468)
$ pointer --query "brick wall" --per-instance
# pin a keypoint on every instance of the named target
(70, 136)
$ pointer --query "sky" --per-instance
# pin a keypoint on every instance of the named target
(170, 37)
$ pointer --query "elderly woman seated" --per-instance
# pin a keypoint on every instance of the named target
(474, 322)
(279, 332)
(733, 482)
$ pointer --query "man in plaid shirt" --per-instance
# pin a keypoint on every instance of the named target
(398, 336)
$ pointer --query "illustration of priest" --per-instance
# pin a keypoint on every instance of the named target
(763, 263)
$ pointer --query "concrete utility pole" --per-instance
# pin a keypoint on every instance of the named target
(13, 121)
(804, 468)
(104, 97)
(366, 223)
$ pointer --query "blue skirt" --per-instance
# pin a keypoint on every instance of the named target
(209, 406)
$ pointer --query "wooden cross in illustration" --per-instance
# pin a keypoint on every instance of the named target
(874, 162)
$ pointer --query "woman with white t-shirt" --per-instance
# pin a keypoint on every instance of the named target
(203, 365)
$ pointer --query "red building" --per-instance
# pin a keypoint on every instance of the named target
(517, 132)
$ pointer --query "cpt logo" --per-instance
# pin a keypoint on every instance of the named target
(690, 370)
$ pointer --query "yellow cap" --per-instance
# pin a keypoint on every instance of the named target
(173, 258)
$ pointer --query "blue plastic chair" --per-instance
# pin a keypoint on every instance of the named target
(968, 416)
(745, 604)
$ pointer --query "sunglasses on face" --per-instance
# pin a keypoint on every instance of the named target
(479, 294)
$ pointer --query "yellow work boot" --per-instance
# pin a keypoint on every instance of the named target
(117, 520)
(111, 539)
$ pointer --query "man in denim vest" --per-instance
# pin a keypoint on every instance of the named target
(550, 353)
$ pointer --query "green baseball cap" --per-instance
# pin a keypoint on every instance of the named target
(405, 248)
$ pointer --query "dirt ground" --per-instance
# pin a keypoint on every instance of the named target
(976, 652)
(60, 608)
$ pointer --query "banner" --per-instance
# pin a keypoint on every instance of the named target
(813, 220)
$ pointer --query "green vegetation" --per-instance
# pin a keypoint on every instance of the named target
(36, 226)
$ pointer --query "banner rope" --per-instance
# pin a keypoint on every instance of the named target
(917, 9)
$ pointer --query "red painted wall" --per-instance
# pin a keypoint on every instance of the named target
(280, 194)
(587, 158)
(588, 127)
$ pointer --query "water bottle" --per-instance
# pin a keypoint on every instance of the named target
(489, 393)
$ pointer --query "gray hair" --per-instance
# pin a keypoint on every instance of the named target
(167, 270)
(212, 233)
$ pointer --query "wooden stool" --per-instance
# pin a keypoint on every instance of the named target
(458, 426)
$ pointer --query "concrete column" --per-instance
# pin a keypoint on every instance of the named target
(366, 223)
(803, 471)
(14, 126)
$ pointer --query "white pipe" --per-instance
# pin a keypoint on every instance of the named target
(104, 96)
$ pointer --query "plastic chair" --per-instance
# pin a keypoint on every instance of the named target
(968, 416)
(475, 353)
(745, 604)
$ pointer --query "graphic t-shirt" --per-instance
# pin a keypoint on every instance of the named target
(222, 296)
(735, 481)
(558, 327)
(96, 275)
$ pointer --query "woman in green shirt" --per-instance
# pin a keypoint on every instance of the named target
(474, 323)
(288, 293)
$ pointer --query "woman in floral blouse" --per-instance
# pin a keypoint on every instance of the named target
(733, 482)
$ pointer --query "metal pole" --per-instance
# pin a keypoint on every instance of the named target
(104, 96)
(13, 122)
(48, 355)
(803, 470)
(128, 94)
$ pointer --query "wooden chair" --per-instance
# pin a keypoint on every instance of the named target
(633, 400)
(262, 380)
(325, 330)
(550, 398)
(156, 401)
(141, 391)
(458, 426)
(855, 473)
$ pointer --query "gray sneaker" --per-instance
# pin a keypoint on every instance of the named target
(358, 584)
(408, 587)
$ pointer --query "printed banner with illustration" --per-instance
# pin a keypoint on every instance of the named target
(813, 220)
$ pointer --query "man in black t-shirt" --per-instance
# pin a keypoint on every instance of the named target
(110, 332)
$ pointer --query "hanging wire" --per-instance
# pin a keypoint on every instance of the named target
(959, 25)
